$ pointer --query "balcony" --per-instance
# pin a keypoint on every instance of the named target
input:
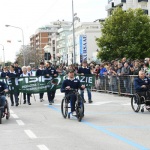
(119, 2)
(142, 1)
(109, 6)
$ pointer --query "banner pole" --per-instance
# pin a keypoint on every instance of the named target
(34, 97)
(20, 98)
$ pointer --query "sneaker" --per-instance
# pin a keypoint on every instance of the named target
(74, 113)
(17, 104)
(41, 100)
(90, 101)
(84, 101)
(50, 103)
(29, 103)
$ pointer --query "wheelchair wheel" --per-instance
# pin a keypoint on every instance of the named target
(136, 102)
(79, 110)
(64, 107)
(7, 110)
(0, 117)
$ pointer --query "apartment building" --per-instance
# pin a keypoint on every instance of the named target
(43, 37)
(126, 4)
(62, 40)
(85, 44)
(53, 37)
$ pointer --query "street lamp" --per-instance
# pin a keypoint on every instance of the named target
(24, 61)
(73, 18)
(3, 54)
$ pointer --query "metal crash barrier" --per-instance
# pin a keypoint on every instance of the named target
(121, 85)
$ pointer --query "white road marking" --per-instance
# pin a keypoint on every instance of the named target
(20, 122)
(30, 134)
(11, 111)
(14, 116)
(94, 103)
(99, 103)
(127, 104)
(42, 147)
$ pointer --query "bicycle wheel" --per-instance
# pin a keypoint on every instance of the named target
(136, 102)
(64, 107)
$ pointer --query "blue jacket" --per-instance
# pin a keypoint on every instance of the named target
(138, 82)
(51, 71)
(40, 72)
(4, 74)
(3, 86)
(84, 70)
(102, 72)
(74, 84)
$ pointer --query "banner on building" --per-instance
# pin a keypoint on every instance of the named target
(42, 84)
(83, 48)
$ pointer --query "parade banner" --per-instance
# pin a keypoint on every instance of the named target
(43, 84)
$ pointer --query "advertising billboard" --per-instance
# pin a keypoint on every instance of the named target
(83, 48)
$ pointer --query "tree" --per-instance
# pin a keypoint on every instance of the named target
(125, 34)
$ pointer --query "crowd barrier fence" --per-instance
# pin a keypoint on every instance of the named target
(121, 85)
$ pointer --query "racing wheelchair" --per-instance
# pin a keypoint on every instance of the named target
(6, 112)
(138, 100)
(79, 105)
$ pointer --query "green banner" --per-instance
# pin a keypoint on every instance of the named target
(43, 84)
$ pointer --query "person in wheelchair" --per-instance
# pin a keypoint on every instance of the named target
(71, 83)
(142, 86)
(3, 90)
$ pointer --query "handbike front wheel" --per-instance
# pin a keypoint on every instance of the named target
(64, 108)
(136, 102)
(80, 111)
(0, 117)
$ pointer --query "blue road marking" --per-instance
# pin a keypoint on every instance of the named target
(104, 130)
(125, 140)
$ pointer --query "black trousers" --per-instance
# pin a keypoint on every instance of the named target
(41, 95)
(12, 96)
(51, 95)
(28, 97)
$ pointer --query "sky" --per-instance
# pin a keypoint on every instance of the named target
(32, 14)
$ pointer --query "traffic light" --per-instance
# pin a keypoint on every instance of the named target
(47, 56)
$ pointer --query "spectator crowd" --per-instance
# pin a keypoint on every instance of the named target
(108, 75)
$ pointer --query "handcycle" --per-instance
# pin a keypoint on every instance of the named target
(79, 105)
(137, 100)
(6, 112)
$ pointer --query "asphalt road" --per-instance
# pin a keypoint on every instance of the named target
(109, 124)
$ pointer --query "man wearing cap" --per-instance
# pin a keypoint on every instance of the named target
(71, 83)
(50, 72)
(83, 71)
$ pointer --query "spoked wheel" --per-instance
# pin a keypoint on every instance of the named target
(64, 107)
(7, 114)
(80, 110)
(0, 117)
(136, 102)
(7, 111)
